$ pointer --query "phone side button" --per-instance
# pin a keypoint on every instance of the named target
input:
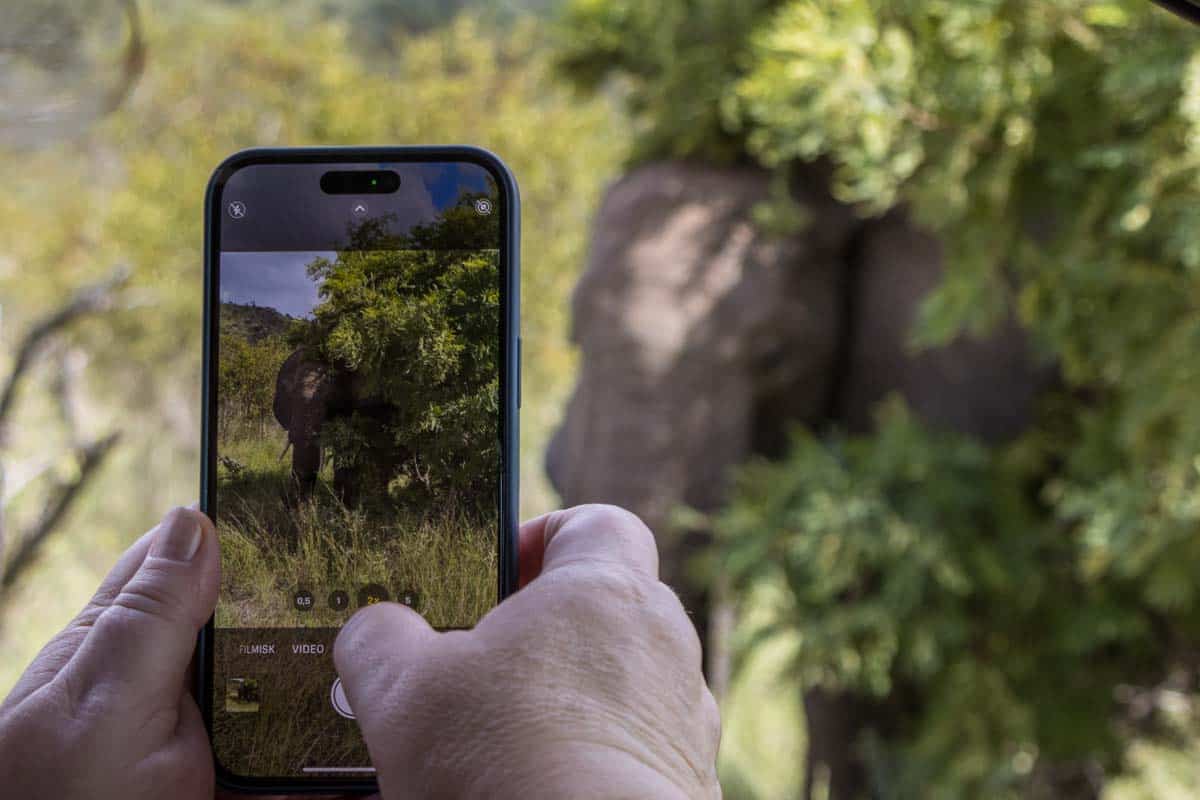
(519, 355)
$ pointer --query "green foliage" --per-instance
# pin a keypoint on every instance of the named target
(247, 381)
(918, 565)
(1054, 147)
(677, 59)
(417, 331)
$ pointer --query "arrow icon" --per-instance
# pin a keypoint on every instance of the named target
(360, 209)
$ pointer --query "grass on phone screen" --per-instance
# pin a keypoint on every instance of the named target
(274, 543)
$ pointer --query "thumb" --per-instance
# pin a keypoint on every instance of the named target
(145, 637)
(374, 650)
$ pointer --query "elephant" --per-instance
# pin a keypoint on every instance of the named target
(703, 338)
(309, 393)
(304, 389)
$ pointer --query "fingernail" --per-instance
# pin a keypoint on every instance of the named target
(178, 537)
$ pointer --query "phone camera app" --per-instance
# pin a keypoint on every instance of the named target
(354, 375)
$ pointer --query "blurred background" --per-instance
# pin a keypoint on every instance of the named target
(884, 313)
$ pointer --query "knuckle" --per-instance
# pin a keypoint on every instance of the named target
(631, 539)
(673, 626)
(395, 694)
(95, 607)
(418, 697)
(619, 599)
(613, 588)
(150, 593)
(360, 625)
(598, 597)
(667, 601)
(359, 636)
(607, 512)
(612, 517)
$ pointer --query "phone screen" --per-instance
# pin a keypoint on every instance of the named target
(355, 429)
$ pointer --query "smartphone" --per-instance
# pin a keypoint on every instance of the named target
(361, 360)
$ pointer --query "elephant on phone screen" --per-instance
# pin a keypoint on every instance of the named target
(304, 391)
(309, 394)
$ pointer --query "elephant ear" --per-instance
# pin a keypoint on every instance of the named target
(689, 319)
(285, 380)
(986, 386)
(302, 389)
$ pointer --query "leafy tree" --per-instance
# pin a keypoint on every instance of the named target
(1002, 595)
(415, 328)
(247, 373)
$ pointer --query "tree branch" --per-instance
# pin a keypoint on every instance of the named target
(90, 299)
(133, 65)
(91, 457)
(32, 124)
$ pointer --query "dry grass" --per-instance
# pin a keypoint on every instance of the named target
(271, 547)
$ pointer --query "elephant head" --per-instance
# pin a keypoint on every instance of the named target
(699, 335)
(303, 390)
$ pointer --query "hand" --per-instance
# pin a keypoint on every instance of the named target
(103, 712)
(586, 683)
